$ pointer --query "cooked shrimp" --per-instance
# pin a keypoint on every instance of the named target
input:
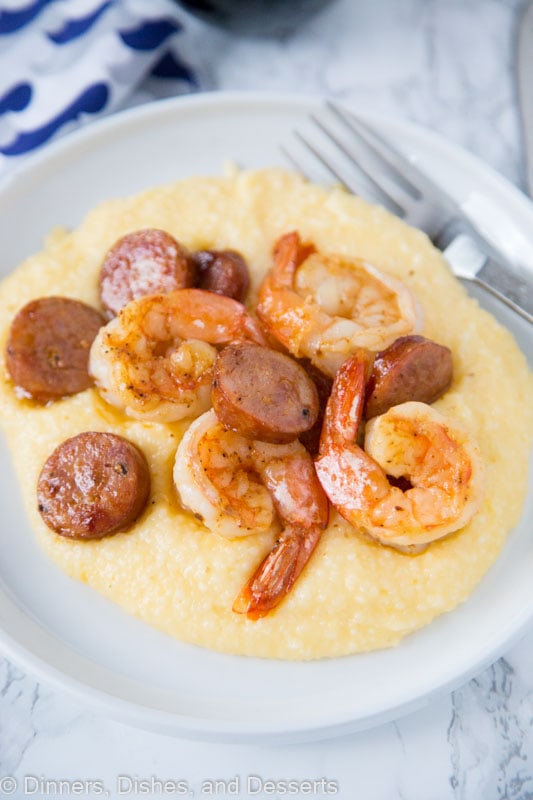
(418, 478)
(289, 474)
(324, 307)
(216, 479)
(155, 359)
(236, 486)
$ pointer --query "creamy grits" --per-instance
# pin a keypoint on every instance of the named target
(168, 570)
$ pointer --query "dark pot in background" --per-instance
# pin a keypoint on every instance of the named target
(255, 17)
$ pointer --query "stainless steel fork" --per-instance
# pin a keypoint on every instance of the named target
(365, 163)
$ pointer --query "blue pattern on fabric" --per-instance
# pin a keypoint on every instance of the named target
(74, 28)
(70, 61)
(16, 98)
(91, 101)
(149, 35)
(169, 67)
(11, 21)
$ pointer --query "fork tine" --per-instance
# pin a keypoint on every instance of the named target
(385, 192)
(327, 163)
(385, 151)
(299, 166)
(345, 177)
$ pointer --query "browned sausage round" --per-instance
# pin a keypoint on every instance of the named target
(92, 485)
(311, 438)
(263, 394)
(148, 261)
(223, 272)
(412, 368)
(47, 351)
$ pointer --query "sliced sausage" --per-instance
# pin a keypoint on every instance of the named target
(311, 438)
(47, 352)
(412, 368)
(92, 485)
(148, 261)
(223, 272)
(263, 394)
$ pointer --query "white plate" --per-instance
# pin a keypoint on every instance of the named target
(70, 636)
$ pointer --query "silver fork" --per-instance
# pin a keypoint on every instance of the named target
(367, 164)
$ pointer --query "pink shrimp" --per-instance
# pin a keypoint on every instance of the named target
(412, 445)
(288, 472)
(241, 487)
(324, 307)
(155, 359)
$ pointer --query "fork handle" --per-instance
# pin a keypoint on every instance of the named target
(507, 284)
(473, 259)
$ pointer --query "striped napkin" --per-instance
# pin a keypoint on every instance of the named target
(66, 62)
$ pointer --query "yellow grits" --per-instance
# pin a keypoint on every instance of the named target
(168, 569)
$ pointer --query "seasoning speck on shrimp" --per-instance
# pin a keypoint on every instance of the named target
(437, 465)
(238, 487)
(324, 307)
(155, 359)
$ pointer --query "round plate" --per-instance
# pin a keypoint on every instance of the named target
(70, 636)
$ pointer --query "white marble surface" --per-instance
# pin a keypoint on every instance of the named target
(447, 64)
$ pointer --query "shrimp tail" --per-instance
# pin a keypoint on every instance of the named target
(344, 410)
(253, 331)
(289, 253)
(277, 573)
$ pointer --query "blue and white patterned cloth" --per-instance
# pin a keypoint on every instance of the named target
(65, 62)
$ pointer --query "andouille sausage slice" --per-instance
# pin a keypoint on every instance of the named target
(222, 271)
(411, 368)
(263, 394)
(311, 438)
(92, 485)
(149, 261)
(47, 353)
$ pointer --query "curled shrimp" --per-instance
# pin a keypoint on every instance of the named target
(240, 487)
(155, 359)
(418, 478)
(289, 474)
(216, 479)
(324, 307)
